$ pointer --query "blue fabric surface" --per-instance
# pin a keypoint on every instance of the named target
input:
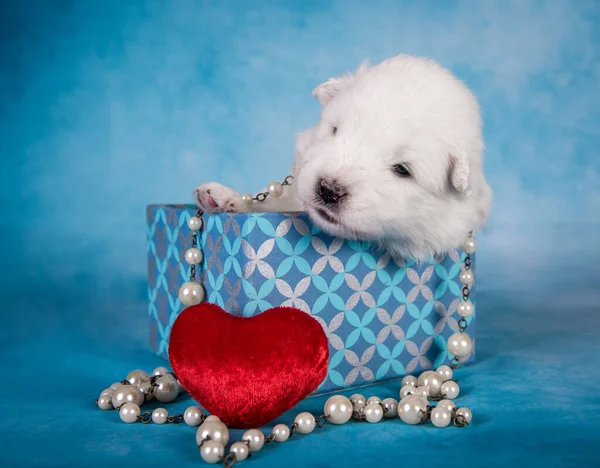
(533, 392)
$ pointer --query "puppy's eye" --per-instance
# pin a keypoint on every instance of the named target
(333, 130)
(401, 170)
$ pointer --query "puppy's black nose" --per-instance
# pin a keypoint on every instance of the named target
(330, 191)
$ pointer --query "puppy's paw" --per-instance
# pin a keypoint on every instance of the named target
(216, 198)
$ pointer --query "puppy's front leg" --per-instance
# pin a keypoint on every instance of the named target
(216, 198)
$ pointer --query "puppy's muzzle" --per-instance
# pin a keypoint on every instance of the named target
(330, 192)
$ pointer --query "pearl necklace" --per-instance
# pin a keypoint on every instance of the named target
(212, 435)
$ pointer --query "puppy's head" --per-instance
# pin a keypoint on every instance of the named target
(395, 158)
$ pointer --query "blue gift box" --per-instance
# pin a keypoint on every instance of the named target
(383, 318)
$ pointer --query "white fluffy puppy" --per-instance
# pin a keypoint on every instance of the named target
(396, 158)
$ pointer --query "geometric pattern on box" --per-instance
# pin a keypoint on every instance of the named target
(384, 319)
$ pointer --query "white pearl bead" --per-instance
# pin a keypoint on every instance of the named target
(193, 416)
(138, 377)
(105, 402)
(166, 388)
(193, 256)
(448, 404)
(408, 390)
(306, 423)
(160, 371)
(275, 189)
(466, 277)
(339, 409)
(466, 308)
(412, 409)
(213, 430)
(159, 416)
(470, 246)
(107, 392)
(373, 412)
(423, 391)
(126, 394)
(247, 198)
(281, 433)
(147, 389)
(450, 389)
(191, 293)
(115, 386)
(445, 372)
(391, 406)
(212, 417)
(440, 417)
(194, 223)
(465, 413)
(460, 345)
(129, 412)
(433, 381)
(212, 451)
(358, 400)
(255, 438)
(240, 450)
(373, 399)
(409, 380)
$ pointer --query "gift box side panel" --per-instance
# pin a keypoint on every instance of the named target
(378, 316)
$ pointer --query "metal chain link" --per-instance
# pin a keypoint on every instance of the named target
(293, 429)
(175, 419)
(229, 460)
(426, 414)
(466, 292)
(203, 441)
(321, 421)
(460, 421)
(439, 397)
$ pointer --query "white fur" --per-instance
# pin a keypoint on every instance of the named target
(404, 110)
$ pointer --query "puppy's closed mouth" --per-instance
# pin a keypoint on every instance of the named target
(326, 216)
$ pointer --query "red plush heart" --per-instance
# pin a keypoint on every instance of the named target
(248, 370)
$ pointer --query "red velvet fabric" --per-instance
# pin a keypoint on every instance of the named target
(248, 370)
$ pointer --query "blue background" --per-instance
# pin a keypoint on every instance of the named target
(108, 106)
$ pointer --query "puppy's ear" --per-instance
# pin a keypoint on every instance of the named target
(325, 91)
(459, 173)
